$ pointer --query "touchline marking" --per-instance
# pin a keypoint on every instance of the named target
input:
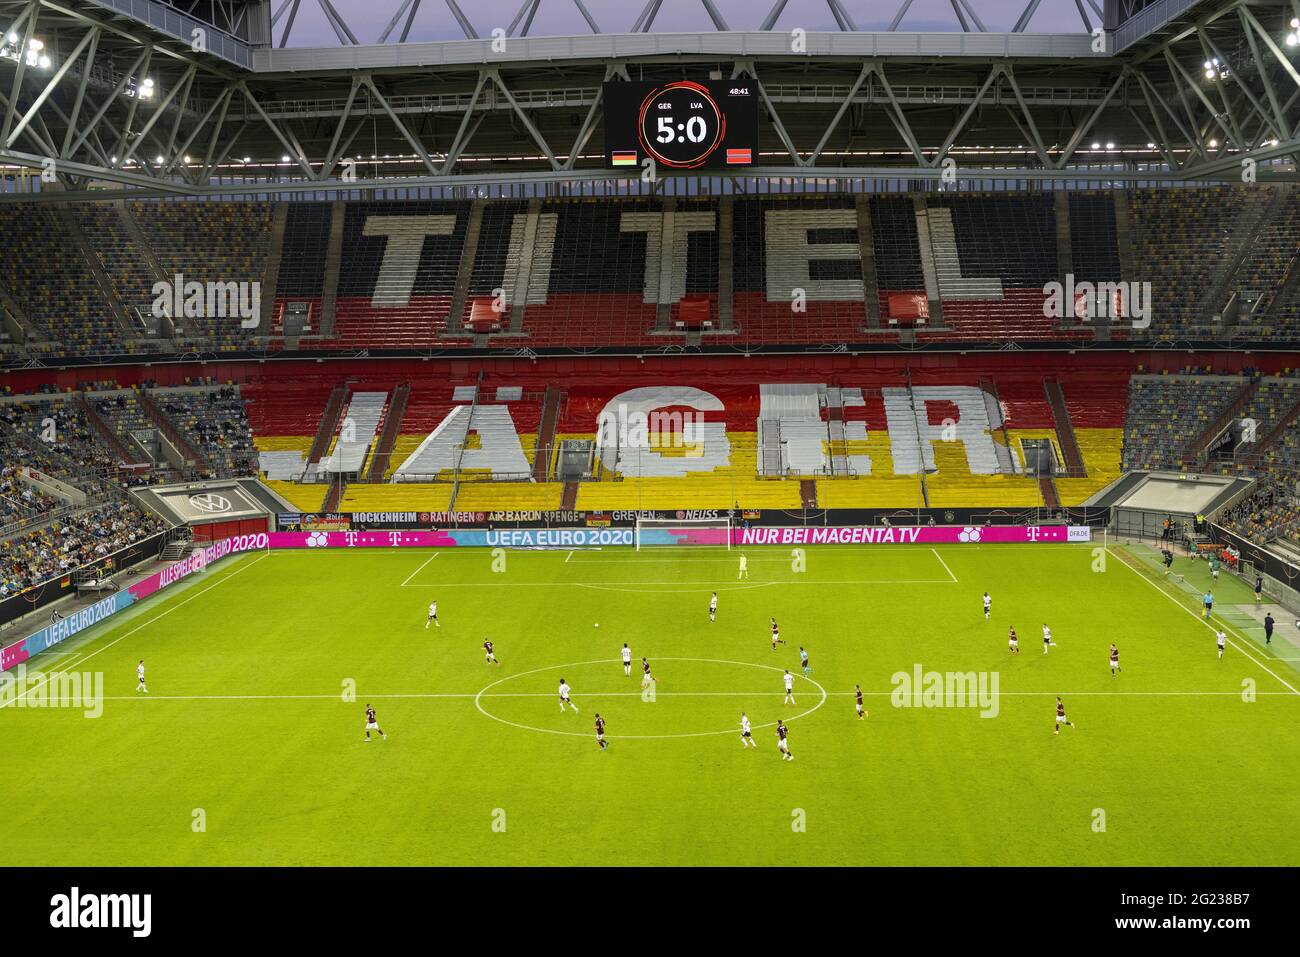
(421, 568)
(1227, 627)
(142, 625)
(606, 661)
(721, 559)
(701, 584)
(335, 696)
(936, 554)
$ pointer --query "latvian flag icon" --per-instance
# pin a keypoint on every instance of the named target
(735, 157)
(624, 157)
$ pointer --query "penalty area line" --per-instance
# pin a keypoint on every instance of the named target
(935, 552)
(418, 570)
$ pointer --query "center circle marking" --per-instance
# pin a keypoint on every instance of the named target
(478, 698)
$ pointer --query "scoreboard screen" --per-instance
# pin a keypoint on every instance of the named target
(681, 124)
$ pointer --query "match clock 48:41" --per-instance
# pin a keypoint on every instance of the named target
(681, 124)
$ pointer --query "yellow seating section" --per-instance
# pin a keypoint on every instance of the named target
(721, 488)
(881, 489)
(283, 443)
(305, 498)
(397, 497)
(952, 486)
(402, 449)
(1101, 449)
(508, 496)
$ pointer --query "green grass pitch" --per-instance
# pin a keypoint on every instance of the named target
(248, 733)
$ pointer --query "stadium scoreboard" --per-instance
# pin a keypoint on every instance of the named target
(681, 124)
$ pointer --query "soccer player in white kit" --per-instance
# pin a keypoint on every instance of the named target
(564, 697)
(744, 567)
(713, 607)
(1047, 638)
(139, 674)
(746, 733)
(433, 615)
(627, 660)
(789, 688)
(988, 604)
(1221, 638)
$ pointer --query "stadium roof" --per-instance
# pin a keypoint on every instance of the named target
(209, 96)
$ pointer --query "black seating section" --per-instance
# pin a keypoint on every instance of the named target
(989, 256)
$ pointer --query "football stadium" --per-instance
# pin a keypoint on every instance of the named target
(680, 433)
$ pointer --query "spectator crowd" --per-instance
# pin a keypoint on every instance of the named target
(58, 548)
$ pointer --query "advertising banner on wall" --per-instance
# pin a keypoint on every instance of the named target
(566, 538)
(196, 561)
(627, 518)
(63, 629)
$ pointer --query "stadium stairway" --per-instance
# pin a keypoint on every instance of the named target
(328, 426)
(1197, 448)
(546, 434)
(274, 256)
(1274, 435)
(1286, 295)
(333, 260)
(808, 492)
(64, 214)
(124, 260)
(1245, 234)
(383, 453)
(333, 495)
(1270, 405)
(137, 239)
(106, 433)
(174, 435)
(1047, 488)
(1069, 443)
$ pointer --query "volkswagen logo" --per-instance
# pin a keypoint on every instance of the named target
(210, 502)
